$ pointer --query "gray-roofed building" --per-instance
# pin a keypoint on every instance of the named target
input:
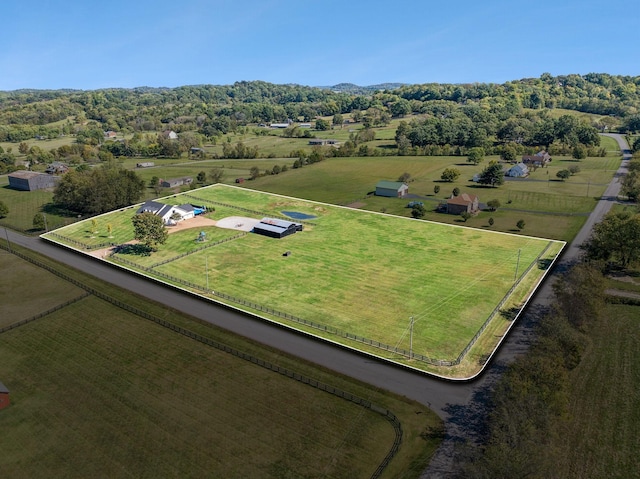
(170, 214)
(275, 228)
(31, 180)
(392, 189)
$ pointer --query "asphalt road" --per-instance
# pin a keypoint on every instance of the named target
(458, 403)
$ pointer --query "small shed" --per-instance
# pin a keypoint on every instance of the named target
(461, 203)
(4, 396)
(392, 189)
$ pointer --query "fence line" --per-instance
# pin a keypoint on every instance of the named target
(289, 317)
(81, 244)
(388, 415)
(495, 311)
(44, 313)
(208, 245)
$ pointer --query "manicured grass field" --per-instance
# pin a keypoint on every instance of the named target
(361, 273)
(99, 392)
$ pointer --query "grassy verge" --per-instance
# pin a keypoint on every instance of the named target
(129, 395)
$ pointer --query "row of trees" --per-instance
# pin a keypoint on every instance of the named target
(98, 190)
(470, 128)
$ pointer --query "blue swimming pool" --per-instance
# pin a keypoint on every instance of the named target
(296, 215)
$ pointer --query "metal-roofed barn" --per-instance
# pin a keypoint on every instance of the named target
(275, 228)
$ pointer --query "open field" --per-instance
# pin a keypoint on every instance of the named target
(23, 205)
(600, 437)
(99, 391)
(350, 272)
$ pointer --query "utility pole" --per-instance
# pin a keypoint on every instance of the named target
(588, 185)
(44, 216)
(411, 339)
(515, 276)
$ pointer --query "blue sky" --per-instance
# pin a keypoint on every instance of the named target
(84, 44)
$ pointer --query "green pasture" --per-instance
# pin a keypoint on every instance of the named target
(362, 273)
(599, 438)
(96, 391)
(24, 293)
(23, 205)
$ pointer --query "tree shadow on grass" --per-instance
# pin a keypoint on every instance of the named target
(134, 249)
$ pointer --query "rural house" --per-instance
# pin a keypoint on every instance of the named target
(170, 214)
(461, 203)
(539, 159)
(321, 142)
(31, 180)
(4, 396)
(392, 189)
(56, 167)
(170, 134)
(174, 182)
(517, 171)
(275, 228)
(145, 164)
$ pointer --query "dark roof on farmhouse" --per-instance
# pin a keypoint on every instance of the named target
(462, 199)
(3, 389)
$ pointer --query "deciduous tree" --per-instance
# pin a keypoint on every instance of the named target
(149, 229)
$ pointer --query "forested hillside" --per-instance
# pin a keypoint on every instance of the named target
(212, 109)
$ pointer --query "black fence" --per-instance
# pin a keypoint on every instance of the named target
(44, 313)
(388, 415)
(208, 245)
(82, 245)
(497, 309)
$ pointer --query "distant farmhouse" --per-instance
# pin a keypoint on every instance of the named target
(517, 171)
(56, 167)
(279, 125)
(145, 164)
(172, 183)
(109, 134)
(392, 189)
(320, 142)
(171, 214)
(539, 159)
(275, 228)
(170, 134)
(31, 180)
(461, 203)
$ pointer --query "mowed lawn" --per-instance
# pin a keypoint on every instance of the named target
(365, 274)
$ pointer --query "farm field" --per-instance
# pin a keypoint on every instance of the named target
(599, 438)
(100, 391)
(352, 277)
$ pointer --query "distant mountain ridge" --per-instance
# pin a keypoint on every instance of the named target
(357, 89)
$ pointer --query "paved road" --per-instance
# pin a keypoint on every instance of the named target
(465, 420)
(459, 404)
